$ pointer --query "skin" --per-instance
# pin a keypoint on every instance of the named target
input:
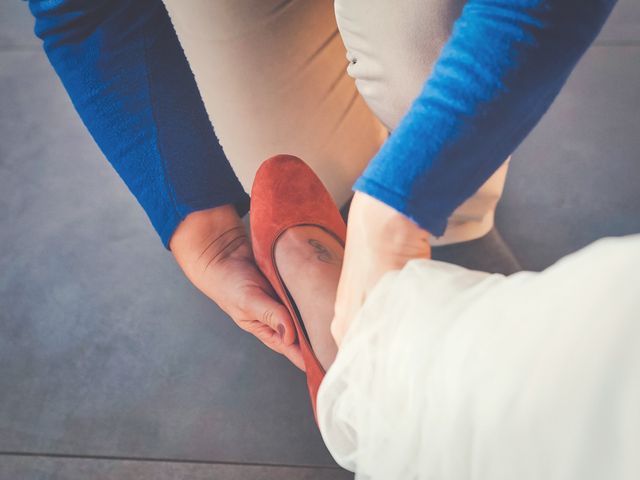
(309, 261)
(213, 249)
(379, 239)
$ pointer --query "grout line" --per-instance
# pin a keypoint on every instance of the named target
(19, 48)
(161, 460)
(614, 43)
(11, 49)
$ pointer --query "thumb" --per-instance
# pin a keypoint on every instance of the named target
(274, 314)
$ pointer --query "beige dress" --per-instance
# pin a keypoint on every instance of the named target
(321, 80)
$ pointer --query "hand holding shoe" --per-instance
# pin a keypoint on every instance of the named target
(213, 249)
(379, 239)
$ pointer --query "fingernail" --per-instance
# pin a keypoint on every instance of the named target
(281, 331)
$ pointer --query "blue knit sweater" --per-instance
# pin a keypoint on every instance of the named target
(505, 62)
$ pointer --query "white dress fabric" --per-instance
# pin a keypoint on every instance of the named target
(451, 374)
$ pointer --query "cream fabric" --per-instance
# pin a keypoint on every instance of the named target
(453, 374)
(274, 78)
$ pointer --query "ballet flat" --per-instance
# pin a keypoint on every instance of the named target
(287, 193)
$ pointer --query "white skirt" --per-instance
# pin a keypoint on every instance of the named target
(449, 374)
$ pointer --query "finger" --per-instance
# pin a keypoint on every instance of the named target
(294, 354)
(272, 313)
(272, 340)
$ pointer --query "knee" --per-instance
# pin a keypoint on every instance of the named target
(391, 51)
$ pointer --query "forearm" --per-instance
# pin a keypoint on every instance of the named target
(503, 66)
(127, 76)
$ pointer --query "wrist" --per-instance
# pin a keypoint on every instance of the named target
(201, 233)
(390, 230)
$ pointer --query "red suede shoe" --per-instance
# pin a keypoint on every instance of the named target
(287, 193)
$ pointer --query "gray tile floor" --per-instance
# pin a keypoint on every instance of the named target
(50, 468)
(109, 371)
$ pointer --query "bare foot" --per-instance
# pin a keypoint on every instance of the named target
(309, 261)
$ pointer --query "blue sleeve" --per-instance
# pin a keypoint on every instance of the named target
(504, 64)
(122, 65)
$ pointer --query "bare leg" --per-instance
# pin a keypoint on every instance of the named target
(309, 260)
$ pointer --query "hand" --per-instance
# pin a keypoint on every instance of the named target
(213, 249)
(379, 239)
